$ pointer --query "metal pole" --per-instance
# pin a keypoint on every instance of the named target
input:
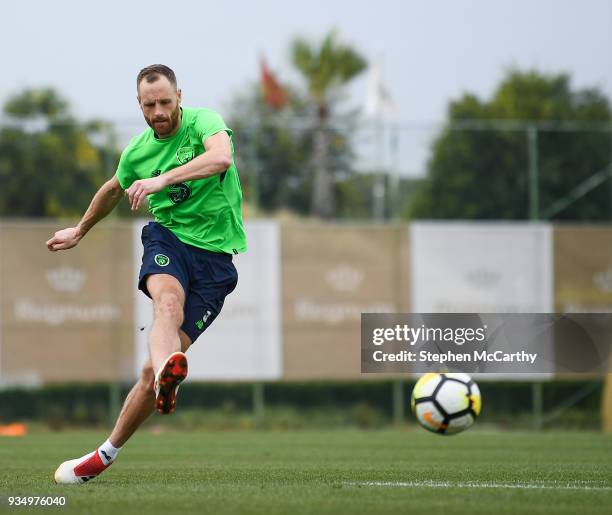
(114, 401)
(394, 180)
(532, 153)
(114, 387)
(258, 404)
(398, 402)
(2, 303)
(378, 189)
(538, 405)
(610, 168)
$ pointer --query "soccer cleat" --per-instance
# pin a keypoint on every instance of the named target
(167, 382)
(81, 470)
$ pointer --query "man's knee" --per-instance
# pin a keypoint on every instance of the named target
(169, 304)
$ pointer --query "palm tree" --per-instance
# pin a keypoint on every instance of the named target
(326, 68)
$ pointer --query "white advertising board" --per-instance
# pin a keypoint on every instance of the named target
(481, 268)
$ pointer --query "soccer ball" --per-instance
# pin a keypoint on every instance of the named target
(446, 403)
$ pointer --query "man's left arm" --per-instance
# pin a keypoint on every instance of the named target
(217, 159)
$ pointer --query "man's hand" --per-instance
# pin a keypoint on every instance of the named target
(64, 239)
(104, 201)
(140, 189)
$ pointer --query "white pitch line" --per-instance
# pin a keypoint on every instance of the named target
(476, 484)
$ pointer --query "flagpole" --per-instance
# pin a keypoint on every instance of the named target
(394, 180)
(378, 104)
(379, 181)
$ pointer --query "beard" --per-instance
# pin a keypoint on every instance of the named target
(165, 125)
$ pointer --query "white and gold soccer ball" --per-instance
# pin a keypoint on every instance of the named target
(446, 403)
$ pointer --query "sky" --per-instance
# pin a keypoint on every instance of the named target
(431, 52)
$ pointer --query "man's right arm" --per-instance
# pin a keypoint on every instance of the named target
(104, 201)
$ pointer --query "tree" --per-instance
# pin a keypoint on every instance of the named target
(275, 146)
(49, 164)
(272, 151)
(325, 68)
(483, 174)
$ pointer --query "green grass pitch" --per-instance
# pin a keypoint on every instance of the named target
(319, 472)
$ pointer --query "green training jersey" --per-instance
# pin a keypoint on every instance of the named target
(205, 213)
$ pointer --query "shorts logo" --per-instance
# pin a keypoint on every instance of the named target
(184, 154)
(162, 260)
(200, 323)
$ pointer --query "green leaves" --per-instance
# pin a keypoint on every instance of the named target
(327, 66)
(481, 172)
(37, 102)
(51, 168)
(284, 154)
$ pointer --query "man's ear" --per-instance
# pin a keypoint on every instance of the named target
(180, 95)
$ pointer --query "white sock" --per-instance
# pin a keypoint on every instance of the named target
(108, 452)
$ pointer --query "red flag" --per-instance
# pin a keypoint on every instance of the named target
(274, 94)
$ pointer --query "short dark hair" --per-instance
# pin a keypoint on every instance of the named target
(152, 73)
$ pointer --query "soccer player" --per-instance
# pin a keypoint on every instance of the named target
(183, 163)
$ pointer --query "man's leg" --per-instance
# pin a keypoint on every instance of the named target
(140, 402)
(165, 338)
(168, 303)
(169, 363)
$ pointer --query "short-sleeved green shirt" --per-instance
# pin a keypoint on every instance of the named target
(205, 213)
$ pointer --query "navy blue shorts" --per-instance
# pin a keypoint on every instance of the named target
(206, 277)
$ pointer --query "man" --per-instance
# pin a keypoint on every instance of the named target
(184, 165)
